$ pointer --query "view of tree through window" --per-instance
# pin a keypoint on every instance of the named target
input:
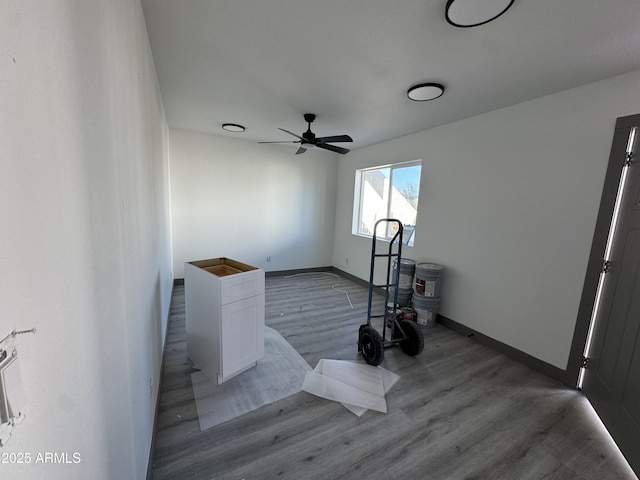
(387, 192)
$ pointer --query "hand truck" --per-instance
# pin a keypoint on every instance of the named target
(403, 332)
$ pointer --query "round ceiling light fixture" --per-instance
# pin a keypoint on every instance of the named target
(233, 127)
(425, 92)
(471, 13)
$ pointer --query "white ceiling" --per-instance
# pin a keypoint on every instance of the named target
(264, 63)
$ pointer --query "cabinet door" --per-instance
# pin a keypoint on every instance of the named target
(242, 335)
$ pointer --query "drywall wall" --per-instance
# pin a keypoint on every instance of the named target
(247, 201)
(508, 204)
(85, 244)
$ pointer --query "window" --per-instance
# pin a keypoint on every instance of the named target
(387, 192)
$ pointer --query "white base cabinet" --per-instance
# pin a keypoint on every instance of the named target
(224, 308)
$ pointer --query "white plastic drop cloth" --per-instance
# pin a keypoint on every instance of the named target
(357, 386)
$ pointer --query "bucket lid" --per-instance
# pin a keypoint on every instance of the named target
(401, 290)
(404, 261)
(424, 301)
(429, 266)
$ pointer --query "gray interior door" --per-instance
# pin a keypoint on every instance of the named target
(612, 376)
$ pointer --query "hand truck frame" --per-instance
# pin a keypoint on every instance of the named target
(403, 332)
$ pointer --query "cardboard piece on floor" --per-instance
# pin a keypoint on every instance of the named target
(357, 386)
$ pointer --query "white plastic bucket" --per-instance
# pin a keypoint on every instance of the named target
(429, 279)
(404, 296)
(407, 270)
(426, 309)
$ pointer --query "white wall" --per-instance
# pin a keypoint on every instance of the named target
(247, 201)
(85, 245)
(508, 204)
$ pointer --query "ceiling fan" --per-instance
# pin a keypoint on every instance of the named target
(308, 140)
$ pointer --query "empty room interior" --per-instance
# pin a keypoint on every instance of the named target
(338, 239)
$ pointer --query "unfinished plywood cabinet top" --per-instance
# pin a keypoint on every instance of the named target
(222, 267)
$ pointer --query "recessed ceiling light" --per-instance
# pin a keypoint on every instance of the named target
(232, 127)
(425, 91)
(471, 13)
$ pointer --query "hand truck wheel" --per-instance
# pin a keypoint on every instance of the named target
(371, 345)
(413, 342)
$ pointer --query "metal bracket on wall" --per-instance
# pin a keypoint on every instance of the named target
(6, 429)
(10, 415)
(18, 332)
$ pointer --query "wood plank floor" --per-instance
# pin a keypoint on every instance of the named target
(460, 410)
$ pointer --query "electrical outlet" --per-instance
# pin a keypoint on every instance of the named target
(346, 260)
(268, 258)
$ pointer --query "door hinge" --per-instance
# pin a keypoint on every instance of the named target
(585, 362)
(606, 266)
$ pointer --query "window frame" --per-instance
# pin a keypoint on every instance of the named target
(358, 200)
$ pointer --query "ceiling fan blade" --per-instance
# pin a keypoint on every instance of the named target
(301, 150)
(333, 148)
(335, 138)
(291, 133)
(284, 141)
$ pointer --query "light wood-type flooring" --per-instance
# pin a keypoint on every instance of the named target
(460, 410)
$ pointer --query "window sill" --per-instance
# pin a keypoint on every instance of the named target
(380, 239)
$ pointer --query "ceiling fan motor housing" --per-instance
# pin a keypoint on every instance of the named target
(309, 135)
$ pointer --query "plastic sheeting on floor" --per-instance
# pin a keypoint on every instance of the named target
(279, 374)
(357, 386)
